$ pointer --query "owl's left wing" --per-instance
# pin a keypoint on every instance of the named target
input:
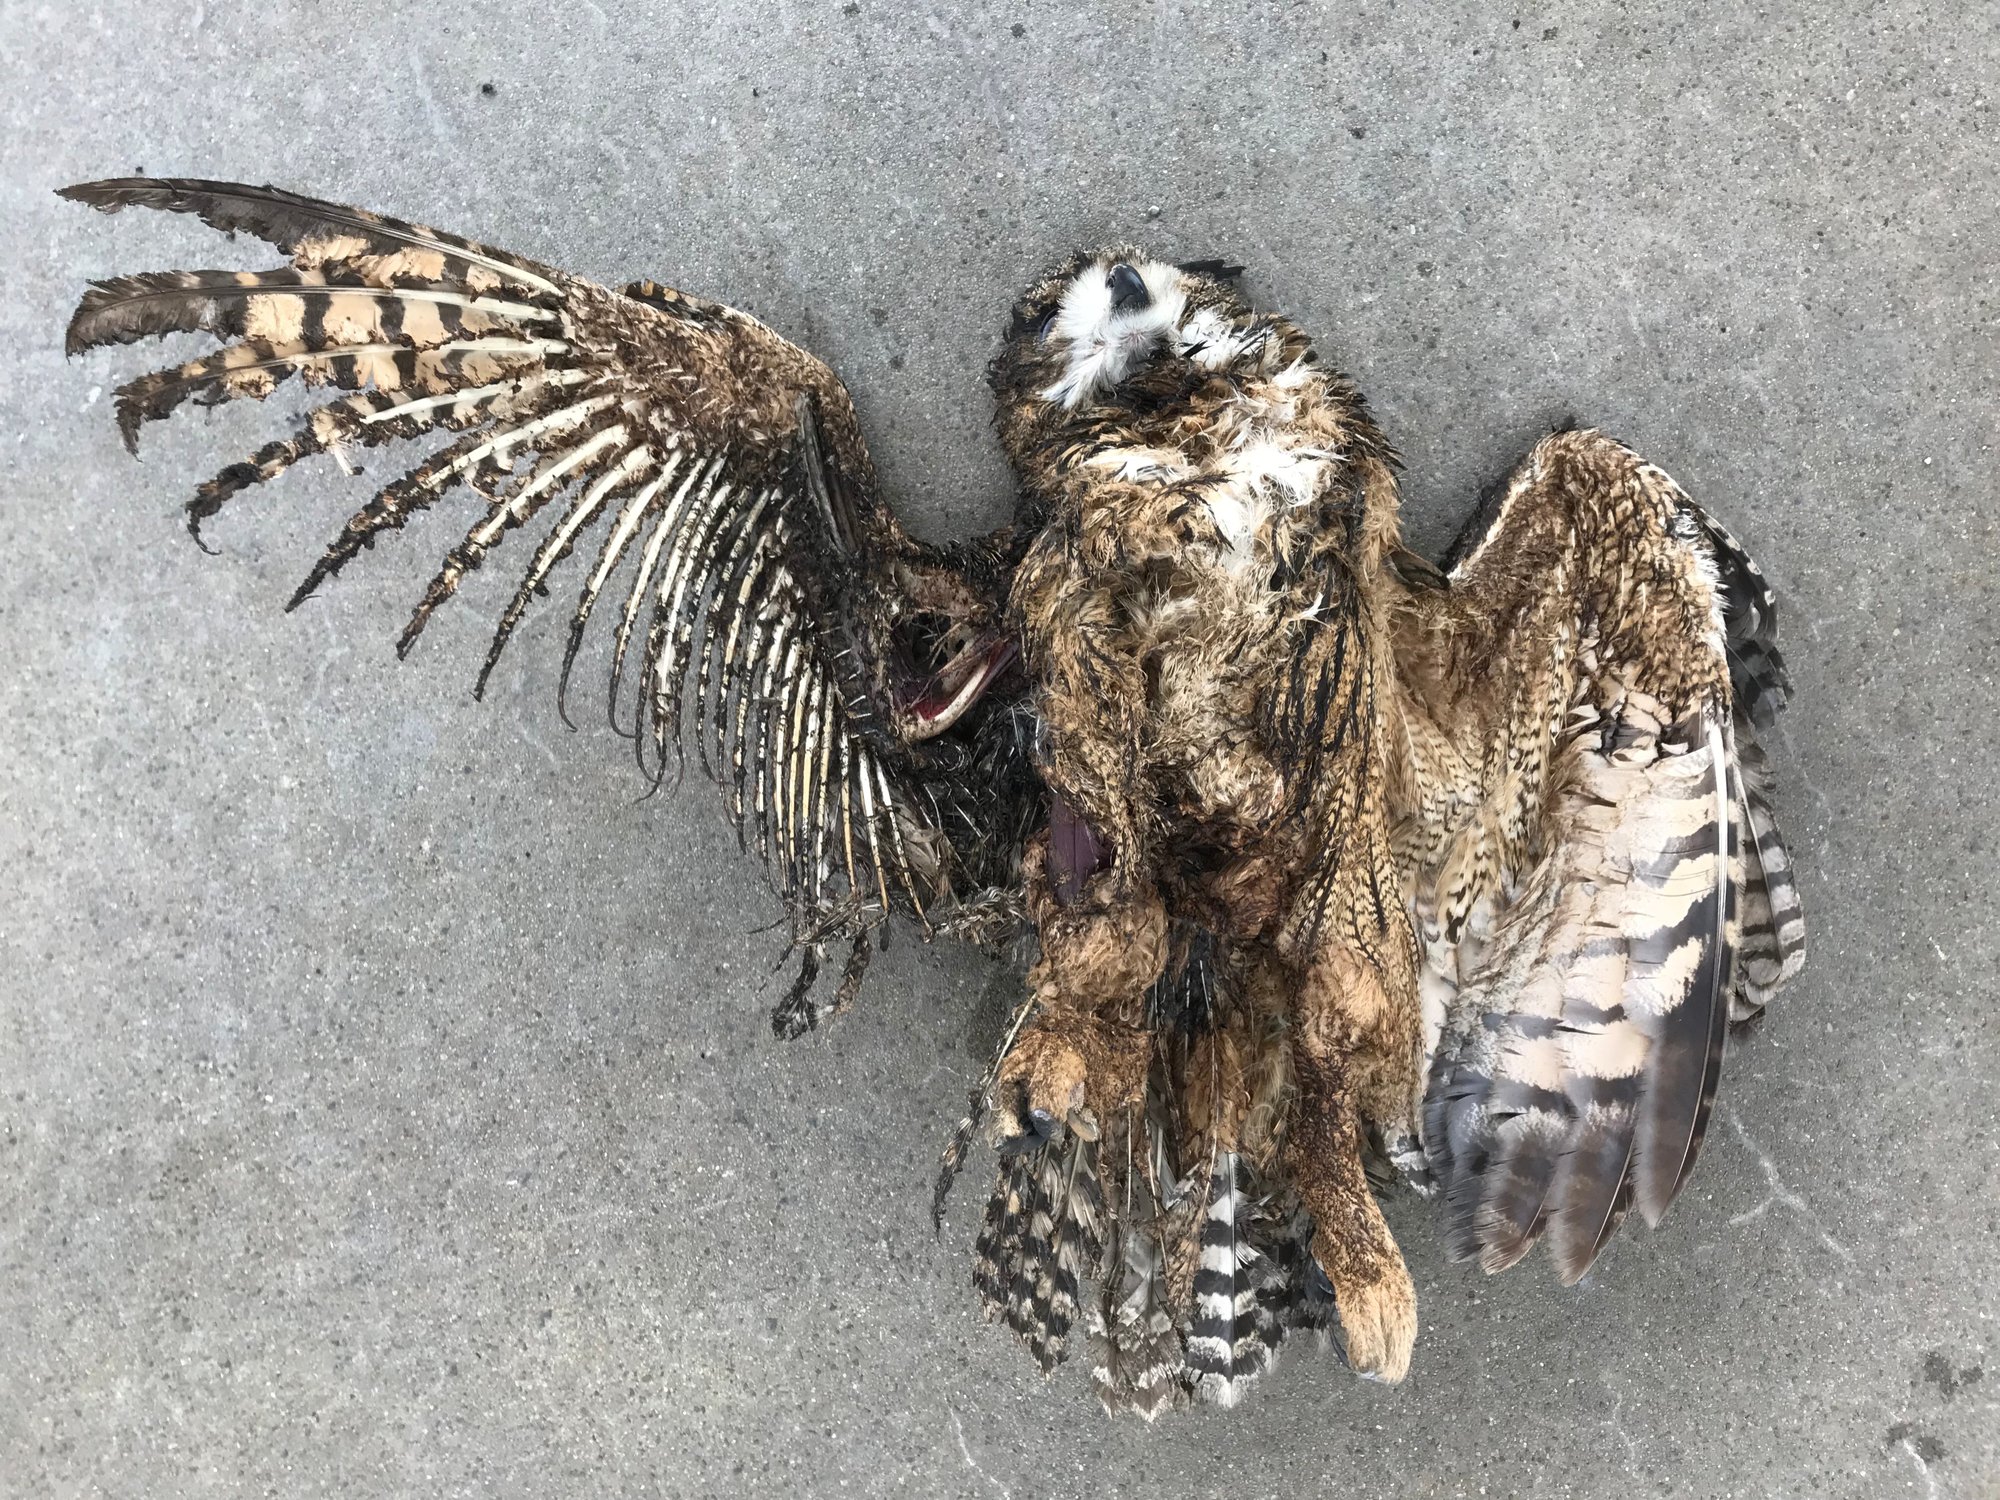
(1598, 880)
(830, 667)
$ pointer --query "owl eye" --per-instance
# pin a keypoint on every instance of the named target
(1048, 323)
(1128, 289)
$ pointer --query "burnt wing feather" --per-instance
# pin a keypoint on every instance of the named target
(680, 441)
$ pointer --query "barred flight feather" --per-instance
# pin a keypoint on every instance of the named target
(1773, 939)
(1580, 1063)
(674, 428)
(1136, 1352)
(1758, 679)
(315, 232)
(1044, 1226)
(237, 304)
(1597, 1018)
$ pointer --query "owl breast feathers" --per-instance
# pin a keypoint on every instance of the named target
(1329, 868)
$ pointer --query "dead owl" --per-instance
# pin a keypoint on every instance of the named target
(1328, 864)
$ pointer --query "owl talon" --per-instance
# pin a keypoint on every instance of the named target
(1069, 1073)
(1033, 1129)
(1378, 1319)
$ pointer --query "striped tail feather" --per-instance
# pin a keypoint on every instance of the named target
(997, 1252)
(1298, 1289)
(1201, 1274)
(1136, 1353)
(1044, 1227)
(1236, 1326)
(1255, 1285)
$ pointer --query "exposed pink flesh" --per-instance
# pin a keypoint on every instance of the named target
(1075, 852)
(939, 703)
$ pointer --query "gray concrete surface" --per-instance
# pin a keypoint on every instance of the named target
(386, 1100)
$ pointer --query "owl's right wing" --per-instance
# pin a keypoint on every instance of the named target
(1599, 882)
(836, 674)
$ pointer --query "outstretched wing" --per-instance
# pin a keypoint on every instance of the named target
(1599, 883)
(765, 603)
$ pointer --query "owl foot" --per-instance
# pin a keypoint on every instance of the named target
(1378, 1315)
(1028, 1133)
(1066, 1071)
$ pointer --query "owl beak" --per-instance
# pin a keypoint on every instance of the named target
(1128, 290)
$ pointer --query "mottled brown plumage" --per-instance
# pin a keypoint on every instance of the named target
(1328, 862)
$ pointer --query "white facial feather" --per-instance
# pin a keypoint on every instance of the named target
(1211, 338)
(1255, 473)
(1105, 345)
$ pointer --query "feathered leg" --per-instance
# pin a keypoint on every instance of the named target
(1324, 1150)
(1086, 1049)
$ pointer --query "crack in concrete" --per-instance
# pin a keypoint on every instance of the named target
(1780, 1194)
(1930, 1479)
(973, 1463)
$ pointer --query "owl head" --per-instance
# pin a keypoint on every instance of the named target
(1114, 334)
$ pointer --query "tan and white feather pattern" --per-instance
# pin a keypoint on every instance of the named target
(1320, 862)
(714, 464)
(1585, 1031)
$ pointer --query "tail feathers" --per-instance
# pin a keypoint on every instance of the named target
(1136, 1362)
(1235, 1328)
(1044, 1225)
(1772, 946)
(1076, 1244)
(1757, 674)
(998, 1247)
(1256, 1284)
(1152, 1341)
(1302, 1294)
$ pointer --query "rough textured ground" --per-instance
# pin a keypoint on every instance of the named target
(386, 1100)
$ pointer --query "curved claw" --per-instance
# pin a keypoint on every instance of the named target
(1036, 1128)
